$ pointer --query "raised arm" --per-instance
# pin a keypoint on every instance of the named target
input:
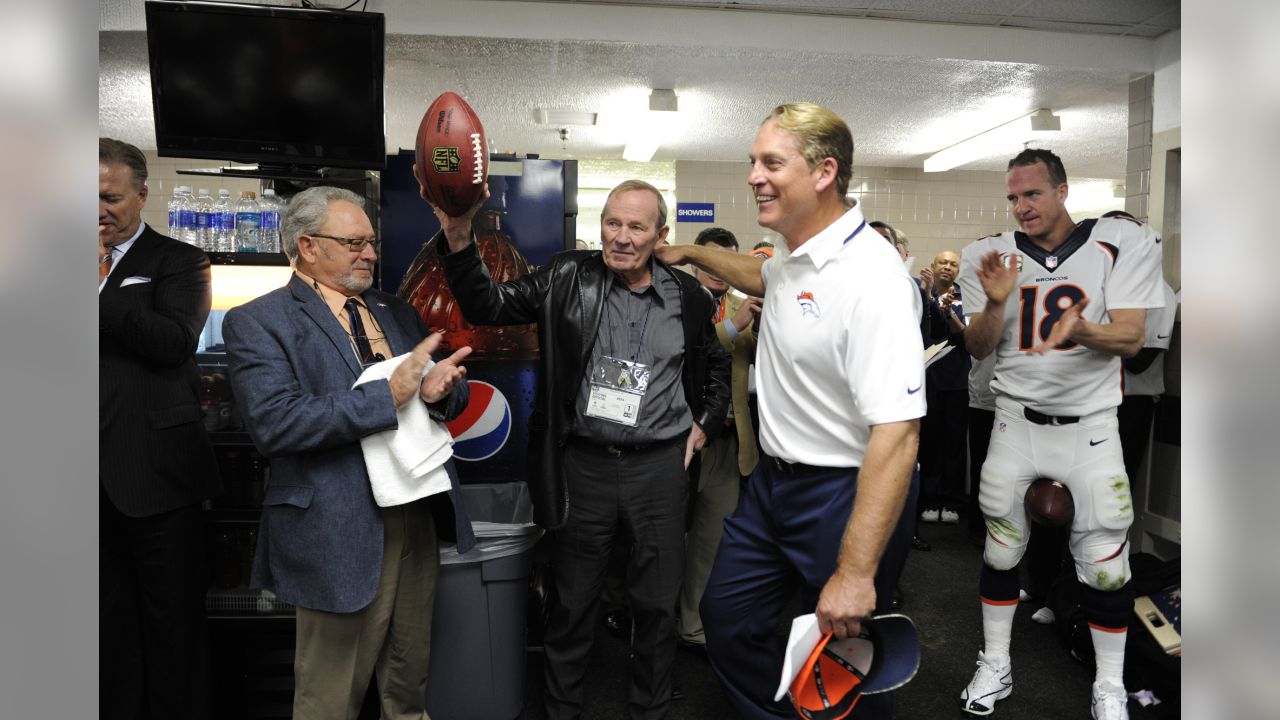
(740, 271)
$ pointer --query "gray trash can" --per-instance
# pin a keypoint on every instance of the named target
(477, 664)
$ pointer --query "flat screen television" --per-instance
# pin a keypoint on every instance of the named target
(271, 85)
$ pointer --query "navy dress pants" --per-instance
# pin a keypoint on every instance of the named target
(785, 535)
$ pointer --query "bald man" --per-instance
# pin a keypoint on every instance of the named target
(942, 432)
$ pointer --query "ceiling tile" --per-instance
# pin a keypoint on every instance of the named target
(951, 7)
(1068, 27)
(954, 18)
(1168, 19)
(899, 108)
(1095, 11)
(1146, 31)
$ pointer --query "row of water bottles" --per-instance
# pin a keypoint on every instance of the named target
(251, 225)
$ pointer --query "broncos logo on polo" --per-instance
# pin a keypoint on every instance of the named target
(808, 306)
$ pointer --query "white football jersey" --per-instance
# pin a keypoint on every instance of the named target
(1159, 334)
(1115, 262)
(980, 373)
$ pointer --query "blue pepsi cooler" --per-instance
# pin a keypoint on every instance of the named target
(477, 667)
(491, 436)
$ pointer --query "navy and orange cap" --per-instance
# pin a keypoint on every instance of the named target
(883, 657)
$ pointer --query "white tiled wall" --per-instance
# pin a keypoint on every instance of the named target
(1137, 183)
(937, 211)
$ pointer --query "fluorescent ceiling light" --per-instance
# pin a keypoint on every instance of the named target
(663, 101)
(654, 127)
(1004, 138)
(562, 118)
(641, 149)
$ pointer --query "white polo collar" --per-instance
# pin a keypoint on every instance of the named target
(824, 246)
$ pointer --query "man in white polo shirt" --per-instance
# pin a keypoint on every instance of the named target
(840, 377)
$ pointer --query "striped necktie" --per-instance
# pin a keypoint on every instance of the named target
(358, 333)
(104, 264)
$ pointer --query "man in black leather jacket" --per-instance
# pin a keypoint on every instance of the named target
(633, 382)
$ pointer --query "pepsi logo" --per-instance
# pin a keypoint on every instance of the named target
(484, 426)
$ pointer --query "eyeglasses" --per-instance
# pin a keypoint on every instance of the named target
(353, 244)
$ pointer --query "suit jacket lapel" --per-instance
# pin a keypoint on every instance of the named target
(128, 265)
(396, 338)
(315, 308)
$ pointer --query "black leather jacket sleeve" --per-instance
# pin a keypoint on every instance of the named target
(484, 302)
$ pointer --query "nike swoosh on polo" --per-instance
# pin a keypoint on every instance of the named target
(1161, 337)
(1098, 442)
(913, 391)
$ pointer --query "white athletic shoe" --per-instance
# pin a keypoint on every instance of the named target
(951, 517)
(1044, 616)
(1110, 702)
(989, 684)
(930, 515)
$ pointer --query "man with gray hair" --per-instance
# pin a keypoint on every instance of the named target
(362, 576)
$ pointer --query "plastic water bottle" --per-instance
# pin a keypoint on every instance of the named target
(269, 232)
(187, 217)
(248, 222)
(204, 220)
(224, 217)
(175, 213)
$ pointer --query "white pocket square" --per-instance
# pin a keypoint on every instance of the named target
(135, 280)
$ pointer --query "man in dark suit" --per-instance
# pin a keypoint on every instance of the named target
(155, 463)
(633, 382)
(362, 577)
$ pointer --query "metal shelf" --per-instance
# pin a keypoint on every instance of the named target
(283, 172)
(248, 258)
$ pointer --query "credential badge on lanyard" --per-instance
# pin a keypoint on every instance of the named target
(617, 389)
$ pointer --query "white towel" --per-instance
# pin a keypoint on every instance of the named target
(407, 463)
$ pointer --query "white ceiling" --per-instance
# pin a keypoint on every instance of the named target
(1139, 18)
(940, 71)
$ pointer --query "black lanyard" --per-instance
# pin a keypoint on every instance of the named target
(643, 326)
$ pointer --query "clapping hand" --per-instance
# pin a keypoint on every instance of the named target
(407, 379)
(1068, 324)
(998, 276)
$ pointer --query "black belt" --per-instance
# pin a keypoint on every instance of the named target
(793, 468)
(617, 450)
(1040, 418)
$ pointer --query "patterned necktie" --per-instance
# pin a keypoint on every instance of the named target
(357, 332)
(104, 264)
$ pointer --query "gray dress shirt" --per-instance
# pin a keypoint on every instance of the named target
(641, 326)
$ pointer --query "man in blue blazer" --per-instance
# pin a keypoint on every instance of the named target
(362, 576)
